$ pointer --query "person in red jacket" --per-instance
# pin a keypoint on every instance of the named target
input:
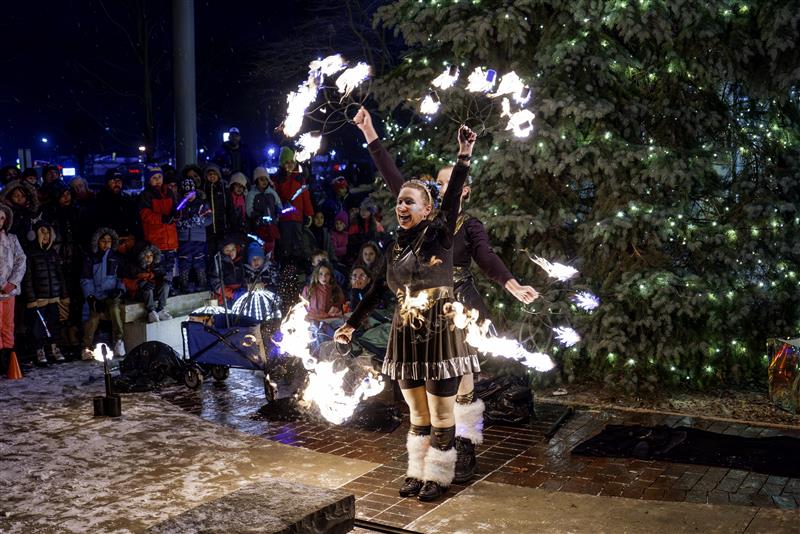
(157, 209)
(296, 209)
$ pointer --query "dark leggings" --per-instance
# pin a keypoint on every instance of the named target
(446, 387)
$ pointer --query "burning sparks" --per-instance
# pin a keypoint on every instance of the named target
(309, 144)
(447, 79)
(352, 78)
(511, 84)
(586, 301)
(299, 101)
(326, 386)
(558, 271)
(566, 336)
(481, 81)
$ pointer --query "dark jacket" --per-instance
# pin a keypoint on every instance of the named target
(235, 159)
(136, 274)
(116, 211)
(24, 217)
(216, 194)
(101, 271)
(44, 276)
(232, 274)
(267, 275)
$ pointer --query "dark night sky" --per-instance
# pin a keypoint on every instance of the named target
(70, 74)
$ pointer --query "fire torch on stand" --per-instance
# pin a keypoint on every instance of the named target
(110, 405)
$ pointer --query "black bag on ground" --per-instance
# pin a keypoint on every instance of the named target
(147, 367)
(508, 400)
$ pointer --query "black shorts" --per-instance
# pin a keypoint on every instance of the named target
(441, 388)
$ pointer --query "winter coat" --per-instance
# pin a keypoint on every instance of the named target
(260, 204)
(156, 205)
(267, 275)
(237, 214)
(24, 217)
(232, 274)
(101, 271)
(12, 258)
(321, 299)
(44, 277)
(191, 225)
(339, 243)
(287, 184)
(137, 273)
(116, 211)
(66, 223)
(234, 160)
(217, 199)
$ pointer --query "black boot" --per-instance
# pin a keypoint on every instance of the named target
(440, 464)
(431, 491)
(417, 445)
(410, 487)
(465, 460)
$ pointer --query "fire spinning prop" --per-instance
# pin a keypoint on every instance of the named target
(110, 405)
(330, 115)
(326, 385)
(482, 81)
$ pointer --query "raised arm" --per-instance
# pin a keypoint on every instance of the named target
(451, 202)
(380, 156)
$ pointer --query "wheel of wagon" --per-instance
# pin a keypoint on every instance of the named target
(192, 377)
(220, 372)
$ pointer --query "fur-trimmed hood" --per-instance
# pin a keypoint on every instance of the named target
(156, 256)
(9, 216)
(100, 233)
(38, 240)
(28, 189)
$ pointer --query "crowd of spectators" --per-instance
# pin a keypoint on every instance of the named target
(73, 256)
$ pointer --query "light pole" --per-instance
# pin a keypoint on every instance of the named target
(183, 81)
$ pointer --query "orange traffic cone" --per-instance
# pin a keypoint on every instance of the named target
(14, 372)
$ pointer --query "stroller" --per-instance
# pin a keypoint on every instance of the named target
(212, 344)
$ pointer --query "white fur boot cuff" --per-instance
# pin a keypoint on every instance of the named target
(469, 421)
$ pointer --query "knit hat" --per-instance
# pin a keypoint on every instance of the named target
(114, 174)
(255, 250)
(342, 216)
(286, 156)
(151, 171)
(260, 172)
(212, 167)
(239, 178)
(339, 183)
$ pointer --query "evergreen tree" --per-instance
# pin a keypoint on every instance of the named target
(663, 164)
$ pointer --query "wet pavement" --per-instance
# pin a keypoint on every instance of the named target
(516, 456)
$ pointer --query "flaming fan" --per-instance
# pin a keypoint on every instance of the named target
(335, 386)
(557, 323)
(332, 88)
(481, 97)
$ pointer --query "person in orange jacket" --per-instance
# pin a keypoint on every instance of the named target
(157, 209)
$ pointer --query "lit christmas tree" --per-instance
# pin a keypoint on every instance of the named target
(662, 163)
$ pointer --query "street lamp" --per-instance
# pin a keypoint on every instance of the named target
(44, 140)
(142, 148)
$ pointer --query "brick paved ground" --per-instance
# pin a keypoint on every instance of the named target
(512, 455)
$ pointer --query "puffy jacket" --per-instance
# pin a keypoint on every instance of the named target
(101, 271)
(137, 273)
(44, 277)
(262, 204)
(12, 258)
(24, 217)
(156, 205)
(191, 225)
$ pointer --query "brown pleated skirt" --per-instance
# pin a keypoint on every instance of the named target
(428, 346)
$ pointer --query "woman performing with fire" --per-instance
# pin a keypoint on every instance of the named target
(471, 242)
(427, 354)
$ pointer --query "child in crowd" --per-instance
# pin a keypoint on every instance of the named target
(157, 210)
(217, 200)
(364, 227)
(339, 236)
(262, 205)
(231, 278)
(360, 280)
(146, 282)
(259, 269)
(237, 205)
(193, 218)
(325, 297)
(103, 289)
(317, 257)
(322, 238)
(12, 270)
(44, 288)
(23, 200)
(369, 256)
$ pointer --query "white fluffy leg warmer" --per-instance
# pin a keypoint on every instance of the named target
(417, 447)
(469, 421)
(440, 466)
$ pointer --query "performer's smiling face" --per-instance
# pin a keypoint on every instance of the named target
(412, 207)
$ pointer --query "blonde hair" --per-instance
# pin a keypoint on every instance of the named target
(417, 184)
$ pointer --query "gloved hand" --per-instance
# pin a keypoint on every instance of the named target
(167, 218)
(116, 294)
(92, 302)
